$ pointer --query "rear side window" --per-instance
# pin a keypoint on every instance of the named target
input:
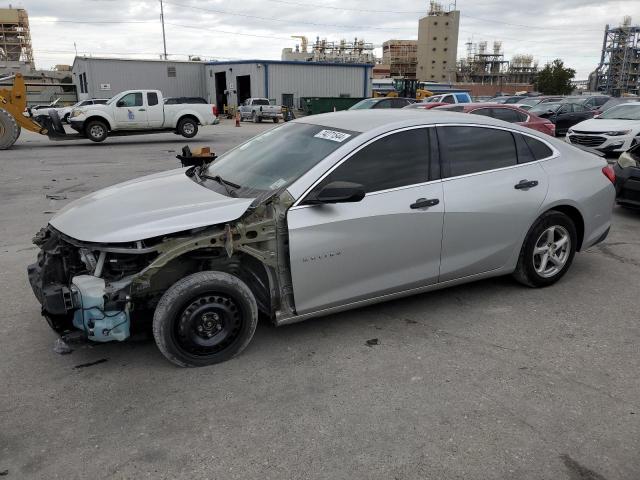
(396, 160)
(462, 97)
(152, 98)
(508, 115)
(538, 149)
(487, 112)
(448, 99)
(466, 150)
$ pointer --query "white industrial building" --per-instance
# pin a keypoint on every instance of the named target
(222, 83)
(104, 77)
(285, 82)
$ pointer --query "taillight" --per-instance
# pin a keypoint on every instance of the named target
(552, 128)
(609, 173)
(214, 110)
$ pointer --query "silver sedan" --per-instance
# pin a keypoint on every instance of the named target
(322, 214)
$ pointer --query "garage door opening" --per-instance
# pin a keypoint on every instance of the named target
(244, 88)
(221, 87)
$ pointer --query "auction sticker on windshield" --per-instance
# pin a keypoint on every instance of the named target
(332, 135)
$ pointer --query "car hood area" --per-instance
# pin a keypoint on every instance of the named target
(159, 204)
(603, 125)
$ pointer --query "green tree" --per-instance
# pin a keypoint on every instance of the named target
(555, 79)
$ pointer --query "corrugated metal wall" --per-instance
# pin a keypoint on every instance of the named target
(315, 81)
(299, 80)
(131, 74)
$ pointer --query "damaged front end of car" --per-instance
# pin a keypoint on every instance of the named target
(108, 290)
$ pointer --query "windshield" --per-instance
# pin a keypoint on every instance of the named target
(436, 99)
(622, 112)
(366, 103)
(277, 157)
(545, 107)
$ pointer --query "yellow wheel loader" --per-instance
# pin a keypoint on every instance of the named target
(13, 105)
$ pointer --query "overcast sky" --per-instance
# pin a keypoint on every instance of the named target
(222, 29)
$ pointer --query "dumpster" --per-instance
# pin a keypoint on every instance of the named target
(315, 105)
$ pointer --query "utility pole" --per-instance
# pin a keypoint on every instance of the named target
(164, 38)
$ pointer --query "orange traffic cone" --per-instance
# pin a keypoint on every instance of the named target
(237, 119)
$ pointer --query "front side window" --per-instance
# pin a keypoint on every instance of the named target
(487, 112)
(466, 150)
(277, 157)
(131, 100)
(397, 160)
(449, 99)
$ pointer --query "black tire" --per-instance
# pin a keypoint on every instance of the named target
(531, 270)
(65, 119)
(188, 127)
(9, 130)
(205, 318)
(276, 120)
(96, 131)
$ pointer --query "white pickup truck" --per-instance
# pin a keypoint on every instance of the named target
(140, 112)
(257, 109)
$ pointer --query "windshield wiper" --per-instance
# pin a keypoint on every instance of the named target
(225, 183)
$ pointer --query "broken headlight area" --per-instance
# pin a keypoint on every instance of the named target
(86, 286)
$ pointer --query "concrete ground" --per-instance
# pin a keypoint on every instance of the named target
(489, 380)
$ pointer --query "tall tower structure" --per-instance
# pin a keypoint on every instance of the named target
(438, 44)
(619, 69)
(15, 37)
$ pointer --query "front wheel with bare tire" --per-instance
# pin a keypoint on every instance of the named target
(187, 127)
(205, 318)
(548, 250)
(96, 131)
(9, 130)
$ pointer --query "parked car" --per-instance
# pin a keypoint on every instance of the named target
(180, 100)
(324, 213)
(563, 115)
(627, 170)
(140, 111)
(592, 102)
(528, 102)
(507, 99)
(443, 99)
(382, 102)
(615, 130)
(507, 113)
(258, 109)
(612, 102)
(65, 112)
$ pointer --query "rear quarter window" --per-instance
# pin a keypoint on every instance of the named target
(538, 149)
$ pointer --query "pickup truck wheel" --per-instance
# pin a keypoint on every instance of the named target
(96, 131)
(205, 318)
(254, 117)
(276, 120)
(188, 127)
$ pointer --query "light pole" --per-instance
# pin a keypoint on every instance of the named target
(164, 38)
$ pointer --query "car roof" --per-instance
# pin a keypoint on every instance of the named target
(365, 120)
(513, 106)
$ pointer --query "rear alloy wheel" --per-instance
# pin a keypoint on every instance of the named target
(96, 131)
(188, 127)
(548, 250)
(205, 318)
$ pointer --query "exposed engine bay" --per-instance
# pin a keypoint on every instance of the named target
(106, 290)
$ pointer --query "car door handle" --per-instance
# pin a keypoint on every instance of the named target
(142, 110)
(424, 203)
(525, 184)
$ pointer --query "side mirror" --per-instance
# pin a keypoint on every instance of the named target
(120, 103)
(337, 192)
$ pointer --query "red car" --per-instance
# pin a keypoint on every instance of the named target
(508, 113)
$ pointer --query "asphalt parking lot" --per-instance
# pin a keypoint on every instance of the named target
(488, 380)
